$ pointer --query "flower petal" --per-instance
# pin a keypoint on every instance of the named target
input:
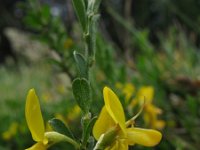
(103, 123)
(37, 146)
(120, 144)
(160, 124)
(128, 90)
(123, 145)
(146, 93)
(150, 108)
(145, 137)
(34, 116)
(114, 107)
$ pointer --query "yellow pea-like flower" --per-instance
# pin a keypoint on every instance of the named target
(151, 112)
(112, 117)
(35, 121)
(147, 92)
(127, 89)
(36, 126)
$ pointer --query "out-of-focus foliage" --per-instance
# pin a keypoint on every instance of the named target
(50, 29)
(159, 15)
(127, 63)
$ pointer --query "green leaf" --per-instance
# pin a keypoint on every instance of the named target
(93, 5)
(81, 91)
(60, 127)
(32, 22)
(79, 6)
(81, 65)
(88, 130)
(45, 14)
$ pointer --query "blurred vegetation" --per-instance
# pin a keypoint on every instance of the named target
(141, 43)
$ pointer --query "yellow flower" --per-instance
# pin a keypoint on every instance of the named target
(112, 117)
(68, 43)
(74, 113)
(127, 89)
(151, 112)
(147, 92)
(35, 121)
(12, 131)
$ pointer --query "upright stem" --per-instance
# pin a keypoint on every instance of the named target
(86, 11)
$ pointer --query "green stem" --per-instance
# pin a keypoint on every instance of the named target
(132, 120)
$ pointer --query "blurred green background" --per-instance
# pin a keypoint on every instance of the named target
(152, 43)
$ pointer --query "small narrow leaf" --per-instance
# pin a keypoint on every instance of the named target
(81, 91)
(89, 130)
(81, 65)
(60, 127)
(93, 5)
(79, 6)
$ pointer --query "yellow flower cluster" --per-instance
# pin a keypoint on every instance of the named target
(151, 112)
(112, 118)
(144, 94)
(111, 124)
